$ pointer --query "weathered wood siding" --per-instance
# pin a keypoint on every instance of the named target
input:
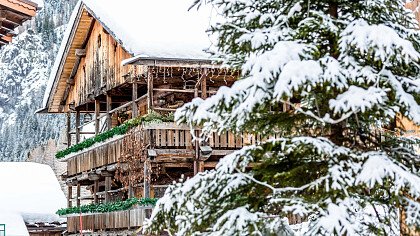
(106, 154)
(100, 70)
(119, 220)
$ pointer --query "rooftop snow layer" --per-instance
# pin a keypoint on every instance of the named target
(30, 190)
(158, 28)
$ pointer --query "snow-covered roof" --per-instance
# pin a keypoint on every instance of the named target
(156, 29)
(30, 190)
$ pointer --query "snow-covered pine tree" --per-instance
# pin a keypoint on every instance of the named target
(347, 69)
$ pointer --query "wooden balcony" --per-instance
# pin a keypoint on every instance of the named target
(119, 220)
(171, 142)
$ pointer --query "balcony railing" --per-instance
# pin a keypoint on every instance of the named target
(119, 220)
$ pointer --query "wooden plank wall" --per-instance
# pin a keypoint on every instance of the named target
(118, 220)
(182, 139)
(106, 154)
(101, 69)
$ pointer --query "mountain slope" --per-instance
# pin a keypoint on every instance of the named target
(24, 70)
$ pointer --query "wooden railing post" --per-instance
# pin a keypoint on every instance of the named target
(97, 114)
(77, 127)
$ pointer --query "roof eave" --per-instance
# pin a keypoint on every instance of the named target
(59, 69)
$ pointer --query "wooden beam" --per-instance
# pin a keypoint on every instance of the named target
(5, 28)
(77, 127)
(164, 109)
(7, 38)
(146, 187)
(134, 104)
(68, 128)
(69, 195)
(95, 190)
(80, 53)
(204, 85)
(97, 114)
(78, 195)
(23, 8)
(108, 109)
(107, 188)
(149, 92)
(174, 90)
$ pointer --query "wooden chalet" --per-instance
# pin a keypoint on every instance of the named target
(12, 14)
(105, 74)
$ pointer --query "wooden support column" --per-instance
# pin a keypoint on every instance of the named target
(68, 128)
(78, 195)
(149, 93)
(107, 188)
(97, 114)
(134, 97)
(200, 164)
(95, 191)
(196, 142)
(204, 85)
(77, 127)
(69, 196)
(108, 109)
(147, 174)
(130, 186)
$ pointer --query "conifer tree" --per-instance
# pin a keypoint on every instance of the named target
(348, 70)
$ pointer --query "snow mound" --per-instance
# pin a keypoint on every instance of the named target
(15, 226)
(30, 190)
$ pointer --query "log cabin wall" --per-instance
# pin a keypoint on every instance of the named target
(100, 70)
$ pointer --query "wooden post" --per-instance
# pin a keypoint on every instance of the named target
(134, 97)
(204, 85)
(95, 191)
(77, 127)
(107, 188)
(97, 114)
(69, 196)
(68, 128)
(196, 143)
(200, 164)
(108, 108)
(78, 195)
(149, 93)
(146, 185)
(130, 186)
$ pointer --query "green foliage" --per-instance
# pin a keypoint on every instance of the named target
(108, 207)
(119, 130)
